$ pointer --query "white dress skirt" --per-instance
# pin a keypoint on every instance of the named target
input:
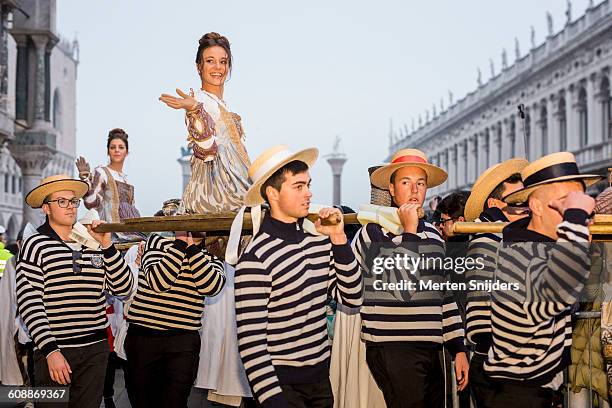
(220, 369)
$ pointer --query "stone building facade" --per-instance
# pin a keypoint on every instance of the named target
(38, 72)
(564, 85)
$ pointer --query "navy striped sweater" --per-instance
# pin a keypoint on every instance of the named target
(478, 311)
(531, 327)
(63, 306)
(173, 280)
(419, 318)
(282, 283)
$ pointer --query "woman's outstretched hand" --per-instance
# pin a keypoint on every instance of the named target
(187, 102)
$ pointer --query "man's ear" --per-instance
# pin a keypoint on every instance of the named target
(46, 209)
(272, 194)
(536, 206)
(392, 189)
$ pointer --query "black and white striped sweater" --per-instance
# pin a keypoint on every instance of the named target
(282, 283)
(173, 280)
(531, 327)
(478, 316)
(421, 318)
(60, 305)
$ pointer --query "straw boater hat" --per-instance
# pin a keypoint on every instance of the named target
(268, 162)
(553, 168)
(487, 182)
(52, 184)
(381, 178)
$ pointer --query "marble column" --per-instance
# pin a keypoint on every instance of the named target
(572, 118)
(497, 144)
(452, 172)
(595, 116)
(473, 159)
(461, 163)
(40, 42)
(32, 160)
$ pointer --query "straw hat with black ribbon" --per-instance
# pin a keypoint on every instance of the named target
(269, 162)
(487, 182)
(52, 184)
(553, 168)
(381, 177)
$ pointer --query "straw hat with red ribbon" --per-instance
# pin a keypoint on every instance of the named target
(381, 178)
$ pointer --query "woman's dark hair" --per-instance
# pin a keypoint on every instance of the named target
(120, 134)
(210, 40)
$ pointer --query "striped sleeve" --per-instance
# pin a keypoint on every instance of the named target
(452, 325)
(207, 270)
(30, 290)
(560, 278)
(162, 266)
(478, 310)
(348, 282)
(252, 292)
(119, 278)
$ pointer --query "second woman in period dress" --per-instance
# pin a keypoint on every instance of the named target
(110, 193)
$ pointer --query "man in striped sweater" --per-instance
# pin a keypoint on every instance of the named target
(60, 294)
(283, 281)
(485, 205)
(545, 258)
(163, 343)
(405, 330)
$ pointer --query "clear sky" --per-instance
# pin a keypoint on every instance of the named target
(304, 72)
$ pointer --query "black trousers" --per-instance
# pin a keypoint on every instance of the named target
(114, 363)
(161, 367)
(408, 376)
(480, 385)
(513, 395)
(311, 395)
(88, 365)
(315, 395)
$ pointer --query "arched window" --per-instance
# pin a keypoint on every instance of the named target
(583, 121)
(527, 131)
(498, 142)
(476, 156)
(544, 129)
(487, 149)
(562, 124)
(606, 114)
(57, 110)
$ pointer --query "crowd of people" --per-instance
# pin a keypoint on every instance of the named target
(290, 315)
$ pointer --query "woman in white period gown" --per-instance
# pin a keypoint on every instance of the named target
(219, 180)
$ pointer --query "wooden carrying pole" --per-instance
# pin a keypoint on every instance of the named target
(219, 223)
(602, 225)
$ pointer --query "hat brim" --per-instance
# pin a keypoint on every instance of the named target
(381, 178)
(253, 196)
(521, 196)
(36, 197)
(482, 190)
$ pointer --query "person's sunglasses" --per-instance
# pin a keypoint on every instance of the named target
(443, 221)
(76, 267)
(64, 202)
